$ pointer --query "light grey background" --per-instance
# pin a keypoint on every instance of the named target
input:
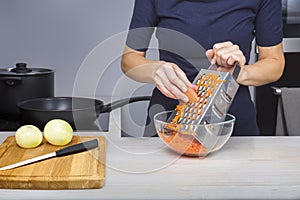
(59, 34)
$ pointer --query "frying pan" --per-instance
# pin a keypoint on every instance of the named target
(77, 111)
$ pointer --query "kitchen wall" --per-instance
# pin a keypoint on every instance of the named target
(59, 34)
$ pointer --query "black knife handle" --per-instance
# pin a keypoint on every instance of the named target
(77, 148)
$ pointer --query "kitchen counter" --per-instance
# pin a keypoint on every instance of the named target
(143, 168)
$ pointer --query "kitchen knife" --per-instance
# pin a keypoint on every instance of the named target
(77, 148)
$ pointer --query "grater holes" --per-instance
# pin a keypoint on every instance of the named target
(206, 122)
(192, 113)
(217, 111)
(226, 96)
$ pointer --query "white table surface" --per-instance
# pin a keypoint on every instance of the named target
(143, 168)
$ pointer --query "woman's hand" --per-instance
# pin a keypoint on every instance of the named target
(168, 77)
(225, 55)
(172, 81)
(267, 69)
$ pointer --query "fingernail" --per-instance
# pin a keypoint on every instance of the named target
(185, 99)
(183, 89)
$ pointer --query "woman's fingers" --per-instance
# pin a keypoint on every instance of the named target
(172, 87)
(183, 78)
(172, 81)
(210, 55)
(232, 59)
(174, 77)
(226, 54)
(162, 88)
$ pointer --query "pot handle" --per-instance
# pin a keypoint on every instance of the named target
(11, 81)
(116, 104)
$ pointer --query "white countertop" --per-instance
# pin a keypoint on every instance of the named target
(143, 168)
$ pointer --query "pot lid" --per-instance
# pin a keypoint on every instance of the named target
(22, 69)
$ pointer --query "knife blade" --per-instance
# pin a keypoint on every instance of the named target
(77, 148)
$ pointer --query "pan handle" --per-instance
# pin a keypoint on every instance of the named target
(116, 104)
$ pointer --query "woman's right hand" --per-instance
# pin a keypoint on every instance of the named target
(172, 81)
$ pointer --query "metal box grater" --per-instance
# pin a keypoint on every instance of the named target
(209, 108)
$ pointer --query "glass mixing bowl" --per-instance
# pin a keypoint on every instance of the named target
(191, 139)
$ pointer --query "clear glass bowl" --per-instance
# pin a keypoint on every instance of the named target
(191, 139)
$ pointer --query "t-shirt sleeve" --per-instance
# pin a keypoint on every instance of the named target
(142, 25)
(268, 24)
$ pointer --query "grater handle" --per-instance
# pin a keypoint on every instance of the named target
(236, 71)
(213, 67)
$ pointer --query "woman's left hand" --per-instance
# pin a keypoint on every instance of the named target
(226, 54)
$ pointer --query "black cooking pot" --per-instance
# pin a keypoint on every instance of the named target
(21, 83)
(79, 112)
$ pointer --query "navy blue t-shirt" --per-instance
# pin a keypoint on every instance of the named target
(186, 29)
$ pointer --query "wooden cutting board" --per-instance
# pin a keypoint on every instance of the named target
(77, 171)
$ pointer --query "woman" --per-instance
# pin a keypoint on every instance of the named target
(226, 29)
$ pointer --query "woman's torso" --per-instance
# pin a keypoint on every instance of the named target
(186, 29)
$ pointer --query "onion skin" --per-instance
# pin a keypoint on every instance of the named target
(58, 132)
(28, 136)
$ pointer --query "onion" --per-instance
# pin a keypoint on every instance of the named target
(58, 132)
(29, 136)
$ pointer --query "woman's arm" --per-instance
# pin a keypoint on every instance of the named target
(135, 65)
(267, 69)
(168, 77)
